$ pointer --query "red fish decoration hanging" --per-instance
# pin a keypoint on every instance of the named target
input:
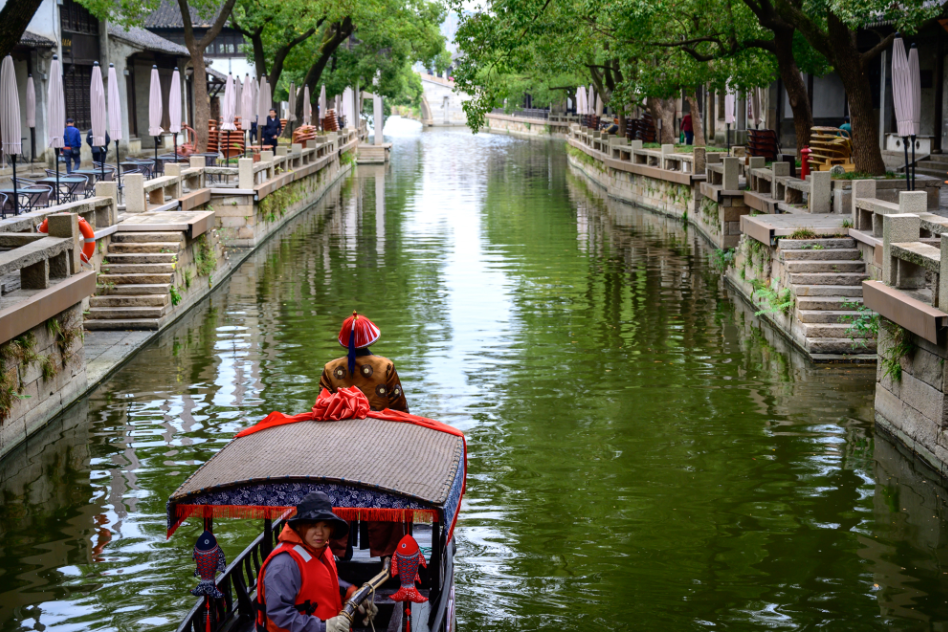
(405, 564)
(210, 561)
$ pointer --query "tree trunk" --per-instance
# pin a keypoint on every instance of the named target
(696, 123)
(202, 104)
(337, 35)
(623, 124)
(867, 155)
(795, 86)
(663, 110)
(14, 18)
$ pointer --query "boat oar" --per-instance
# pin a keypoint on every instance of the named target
(368, 588)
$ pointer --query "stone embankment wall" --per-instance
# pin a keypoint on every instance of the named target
(41, 372)
(911, 386)
(528, 127)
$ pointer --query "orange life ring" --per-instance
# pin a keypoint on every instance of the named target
(88, 237)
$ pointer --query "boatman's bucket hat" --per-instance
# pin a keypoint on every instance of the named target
(317, 507)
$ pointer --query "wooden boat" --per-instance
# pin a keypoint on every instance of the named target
(372, 469)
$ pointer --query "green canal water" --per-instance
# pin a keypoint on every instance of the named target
(643, 455)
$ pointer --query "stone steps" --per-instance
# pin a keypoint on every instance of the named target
(148, 238)
(836, 254)
(807, 244)
(138, 324)
(848, 291)
(839, 346)
(131, 248)
(138, 257)
(130, 300)
(854, 279)
(935, 173)
(831, 303)
(125, 279)
(135, 289)
(826, 265)
(829, 330)
(137, 268)
(827, 316)
(125, 313)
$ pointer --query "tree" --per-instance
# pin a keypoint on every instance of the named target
(133, 12)
(275, 28)
(15, 16)
(830, 27)
(373, 41)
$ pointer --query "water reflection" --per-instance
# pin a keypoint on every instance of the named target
(644, 454)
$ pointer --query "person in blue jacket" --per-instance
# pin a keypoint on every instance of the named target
(72, 145)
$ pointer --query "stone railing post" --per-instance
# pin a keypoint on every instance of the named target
(198, 162)
(897, 228)
(756, 162)
(174, 170)
(109, 190)
(731, 180)
(913, 202)
(635, 144)
(943, 275)
(245, 173)
(135, 193)
(66, 226)
(780, 169)
(862, 189)
(699, 161)
(821, 195)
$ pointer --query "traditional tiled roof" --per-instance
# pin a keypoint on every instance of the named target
(168, 16)
(147, 40)
(36, 41)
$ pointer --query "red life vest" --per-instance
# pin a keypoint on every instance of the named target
(319, 591)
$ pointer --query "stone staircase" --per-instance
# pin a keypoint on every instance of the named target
(133, 290)
(935, 165)
(825, 274)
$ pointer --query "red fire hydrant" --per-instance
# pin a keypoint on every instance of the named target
(805, 160)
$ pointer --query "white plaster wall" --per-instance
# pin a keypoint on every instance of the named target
(237, 65)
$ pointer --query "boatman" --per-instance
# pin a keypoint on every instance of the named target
(300, 590)
(375, 376)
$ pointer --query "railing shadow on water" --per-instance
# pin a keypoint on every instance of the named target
(238, 583)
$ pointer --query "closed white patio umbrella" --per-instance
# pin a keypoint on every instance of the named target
(322, 104)
(730, 103)
(31, 113)
(98, 113)
(115, 118)
(902, 94)
(174, 109)
(55, 114)
(307, 107)
(228, 112)
(915, 80)
(155, 110)
(247, 112)
(10, 120)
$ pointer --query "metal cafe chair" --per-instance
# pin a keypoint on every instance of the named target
(5, 205)
(75, 189)
(40, 200)
(109, 171)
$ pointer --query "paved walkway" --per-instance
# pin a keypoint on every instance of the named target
(106, 350)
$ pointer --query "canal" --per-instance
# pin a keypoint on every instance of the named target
(643, 454)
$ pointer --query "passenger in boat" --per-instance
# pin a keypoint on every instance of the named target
(376, 377)
(300, 589)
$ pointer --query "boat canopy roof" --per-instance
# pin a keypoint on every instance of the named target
(372, 469)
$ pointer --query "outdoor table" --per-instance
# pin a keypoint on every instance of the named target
(96, 173)
(31, 191)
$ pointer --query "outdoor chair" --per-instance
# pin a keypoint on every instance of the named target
(75, 189)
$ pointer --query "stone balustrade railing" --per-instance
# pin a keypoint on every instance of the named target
(774, 184)
(622, 150)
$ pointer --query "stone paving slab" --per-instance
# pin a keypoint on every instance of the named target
(106, 350)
